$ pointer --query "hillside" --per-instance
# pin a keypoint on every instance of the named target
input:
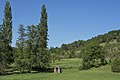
(109, 41)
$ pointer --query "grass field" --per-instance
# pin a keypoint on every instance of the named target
(69, 72)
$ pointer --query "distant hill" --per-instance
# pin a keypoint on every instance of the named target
(109, 41)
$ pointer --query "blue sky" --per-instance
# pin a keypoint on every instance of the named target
(68, 20)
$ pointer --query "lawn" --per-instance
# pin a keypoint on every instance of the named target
(70, 73)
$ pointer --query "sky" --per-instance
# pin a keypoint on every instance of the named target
(68, 20)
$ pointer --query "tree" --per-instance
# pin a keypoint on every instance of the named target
(54, 54)
(2, 56)
(7, 24)
(42, 54)
(6, 34)
(93, 55)
(115, 59)
(31, 46)
(20, 54)
(115, 66)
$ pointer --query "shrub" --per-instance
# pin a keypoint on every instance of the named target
(85, 66)
(115, 66)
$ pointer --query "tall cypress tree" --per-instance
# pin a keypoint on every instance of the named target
(7, 24)
(6, 38)
(6, 31)
(42, 54)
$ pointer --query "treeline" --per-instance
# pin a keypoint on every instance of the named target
(71, 50)
(31, 52)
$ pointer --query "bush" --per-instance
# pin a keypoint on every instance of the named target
(115, 67)
(85, 66)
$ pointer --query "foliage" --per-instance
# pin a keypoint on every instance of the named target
(115, 67)
(31, 52)
(42, 53)
(20, 53)
(54, 54)
(74, 49)
(6, 56)
(93, 55)
(31, 46)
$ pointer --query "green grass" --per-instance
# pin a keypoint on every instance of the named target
(67, 63)
(102, 73)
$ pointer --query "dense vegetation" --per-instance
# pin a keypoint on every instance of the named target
(94, 51)
(32, 54)
(93, 56)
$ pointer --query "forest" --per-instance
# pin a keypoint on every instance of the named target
(31, 53)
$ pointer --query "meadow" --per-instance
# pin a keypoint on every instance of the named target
(70, 71)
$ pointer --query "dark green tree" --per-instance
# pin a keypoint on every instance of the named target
(93, 55)
(6, 37)
(2, 56)
(7, 24)
(115, 66)
(31, 46)
(115, 59)
(20, 54)
(42, 54)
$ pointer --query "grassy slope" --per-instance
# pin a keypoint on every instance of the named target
(102, 73)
